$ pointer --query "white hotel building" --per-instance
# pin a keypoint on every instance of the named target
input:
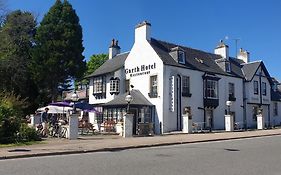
(164, 78)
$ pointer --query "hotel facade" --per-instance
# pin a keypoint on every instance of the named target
(164, 79)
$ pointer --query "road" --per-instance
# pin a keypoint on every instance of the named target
(256, 156)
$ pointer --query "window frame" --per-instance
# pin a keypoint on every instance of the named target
(181, 57)
(231, 90)
(263, 87)
(256, 87)
(186, 86)
(211, 89)
(99, 87)
(153, 86)
(114, 85)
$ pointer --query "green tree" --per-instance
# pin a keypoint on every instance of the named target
(95, 62)
(57, 57)
(16, 35)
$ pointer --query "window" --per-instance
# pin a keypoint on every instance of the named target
(263, 87)
(153, 87)
(127, 85)
(114, 85)
(186, 86)
(231, 90)
(256, 87)
(181, 57)
(227, 67)
(99, 87)
(211, 89)
(275, 109)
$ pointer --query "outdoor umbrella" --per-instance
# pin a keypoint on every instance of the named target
(55, 109)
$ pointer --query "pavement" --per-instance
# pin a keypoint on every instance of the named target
(100, 143)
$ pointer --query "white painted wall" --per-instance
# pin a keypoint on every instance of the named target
(223, 97)
(143, 54)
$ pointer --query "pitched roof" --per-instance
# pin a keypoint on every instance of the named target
(110, 65)
(138, 99)
(195, 59)
(249, 69)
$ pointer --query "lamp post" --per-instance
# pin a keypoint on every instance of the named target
(74, 98)
(228, 104)
(128, 99)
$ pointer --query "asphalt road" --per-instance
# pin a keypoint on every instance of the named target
(256, 156)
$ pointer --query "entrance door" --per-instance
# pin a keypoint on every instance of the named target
(135, 119)
(209, 118)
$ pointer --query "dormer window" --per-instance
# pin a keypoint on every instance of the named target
(227, 67)
(181, 57)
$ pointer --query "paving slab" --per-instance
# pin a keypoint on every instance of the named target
(98, 143)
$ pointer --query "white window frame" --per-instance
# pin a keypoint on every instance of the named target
(185, 85)
(181, 57)
(153, 86)
(97, 85)
(227, 67)
(114, 85)
(211, 89)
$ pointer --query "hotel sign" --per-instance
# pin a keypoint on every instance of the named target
(140, 70)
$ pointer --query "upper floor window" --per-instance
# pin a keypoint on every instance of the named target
(227, 67)
(153, 87)
(211, 89)
(114, 85)
(99, 86)
(181, 57)
(231, 91)
(263, 86)
(256, 87)
(275, 109)
(186, 86)
(127, 85)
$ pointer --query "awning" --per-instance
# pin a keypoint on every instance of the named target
(138, 100)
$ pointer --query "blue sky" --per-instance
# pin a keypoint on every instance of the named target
(197, 24)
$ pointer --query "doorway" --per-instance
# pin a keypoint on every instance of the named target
(209, 119)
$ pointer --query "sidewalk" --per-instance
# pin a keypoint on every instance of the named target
(98, 143)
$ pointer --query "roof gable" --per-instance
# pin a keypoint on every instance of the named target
(110, 65)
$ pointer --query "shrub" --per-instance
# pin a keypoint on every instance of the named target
(11, 113)
(28, 134)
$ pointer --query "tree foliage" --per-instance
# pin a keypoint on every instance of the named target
(95, 62)
(16, 35)
(57, 57)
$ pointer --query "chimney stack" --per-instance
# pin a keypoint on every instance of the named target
(222, 50)
(243, 55)
(114, 49)
(142, 32)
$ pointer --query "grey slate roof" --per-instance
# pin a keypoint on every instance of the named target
(250, 69)
(207, 64)
(138, 99)
(110, 65)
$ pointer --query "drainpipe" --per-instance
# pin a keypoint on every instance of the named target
(244, 105)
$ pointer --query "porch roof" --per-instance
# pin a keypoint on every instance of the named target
(138, 100)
